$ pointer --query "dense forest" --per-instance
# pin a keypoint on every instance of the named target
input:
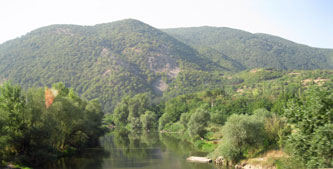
(246, 50)
(233, 94)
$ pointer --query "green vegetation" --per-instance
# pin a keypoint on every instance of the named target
(229, 92)
(266, 115)
(246, 135)
(102, 62)
(239, 50)
(134, 113)
(198, 123)
(32, 133)
(108, 61)
(312, 122)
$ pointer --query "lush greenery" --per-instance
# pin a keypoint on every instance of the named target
(31, 132)
(114, 59)
(311, 117)
(246, 135)
(269, 114)
(237, 50)
(134, 113)
(108, 61)
(230, 92)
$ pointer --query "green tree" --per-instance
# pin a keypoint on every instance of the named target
(198, 122)
(121, 112)
(13, 117)
(136, 107)
(129, 110)
(148, 120)
(311, 119)
(31, 132)
(240, 134)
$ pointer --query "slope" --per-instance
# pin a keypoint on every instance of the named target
(104, 61)
(249, 50)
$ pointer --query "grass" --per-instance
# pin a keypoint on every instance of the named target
(204, 145)
(288, 163)
(276, 158)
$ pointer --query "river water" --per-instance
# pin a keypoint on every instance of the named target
(124, 150)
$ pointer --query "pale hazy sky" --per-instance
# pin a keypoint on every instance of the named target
(308, 22)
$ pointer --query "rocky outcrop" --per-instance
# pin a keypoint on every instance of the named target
(220, 160)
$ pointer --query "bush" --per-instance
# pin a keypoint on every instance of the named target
(275, 127)
(218, 117)
(240, 134)
(175, 127)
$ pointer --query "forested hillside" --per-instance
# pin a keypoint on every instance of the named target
(103, 61)
(107, 61)
(247, 50)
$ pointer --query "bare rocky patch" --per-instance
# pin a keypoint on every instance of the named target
(159, 86)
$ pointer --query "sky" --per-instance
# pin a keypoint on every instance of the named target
(307, 22)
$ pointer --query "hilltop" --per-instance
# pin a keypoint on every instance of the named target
(249, 50)
(104, 61)
(108, 61)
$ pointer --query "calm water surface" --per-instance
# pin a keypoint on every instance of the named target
(123, 150)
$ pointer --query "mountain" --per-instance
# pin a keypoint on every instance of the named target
(104, 61)
(247, 50)
(108, 61)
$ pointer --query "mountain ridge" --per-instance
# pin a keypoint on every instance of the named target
(104, 61)
(250, 48)
(107, 61)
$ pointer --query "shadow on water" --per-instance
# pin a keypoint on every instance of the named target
(90, 158)
(124, 149)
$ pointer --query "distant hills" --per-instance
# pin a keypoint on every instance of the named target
(107, 61)
(249, 50)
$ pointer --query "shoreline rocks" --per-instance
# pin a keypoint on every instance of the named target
(199, 159)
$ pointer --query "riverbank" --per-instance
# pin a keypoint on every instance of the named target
(267, 160)
(12, 166)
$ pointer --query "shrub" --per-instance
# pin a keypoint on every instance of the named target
(175, 127)
(240, 134)
(218, 117)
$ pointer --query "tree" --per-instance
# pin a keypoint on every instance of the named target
(121, 112)
(129, 110)
(31, 132)
(241, 133)
(136, 107)
(13, 117)
(148, 120)
(198, 122)
(311, 118)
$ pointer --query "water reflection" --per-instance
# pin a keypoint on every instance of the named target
(124, 149)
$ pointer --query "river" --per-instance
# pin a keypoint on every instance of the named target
(124, 150)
